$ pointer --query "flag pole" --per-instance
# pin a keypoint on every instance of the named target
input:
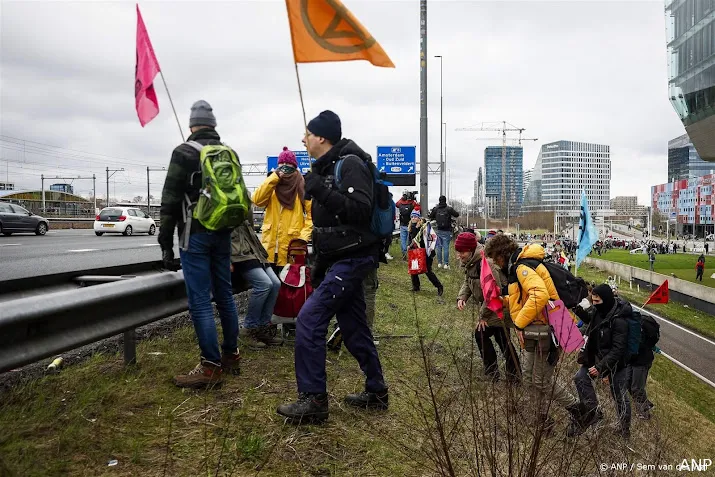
(172, 105)
(300, 88)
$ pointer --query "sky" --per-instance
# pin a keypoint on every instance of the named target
(574, 70)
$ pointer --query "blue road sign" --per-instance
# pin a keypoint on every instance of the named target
(396, 159)
(301, 157)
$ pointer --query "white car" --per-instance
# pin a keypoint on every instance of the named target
(123, 220)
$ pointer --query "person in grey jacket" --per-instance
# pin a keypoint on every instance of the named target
(249, 263)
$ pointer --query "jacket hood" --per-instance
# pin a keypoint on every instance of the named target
(442, 200)
(342, 148)
(533, 250)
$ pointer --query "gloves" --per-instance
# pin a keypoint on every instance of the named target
(167, 260)
(585, 304)
(315, 187)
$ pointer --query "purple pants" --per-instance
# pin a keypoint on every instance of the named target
(341, 295)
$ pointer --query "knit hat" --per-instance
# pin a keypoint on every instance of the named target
(287, 157)
(327, 125)
(465, 242)
(414, 213)
(202, 115)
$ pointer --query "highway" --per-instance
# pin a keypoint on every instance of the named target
(28, 255)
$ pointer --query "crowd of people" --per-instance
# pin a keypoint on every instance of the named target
(336, 214)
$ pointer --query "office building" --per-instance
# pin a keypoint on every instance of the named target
(7, 186)
(514, 178)
(684, 161)
(687, 203)
(62, 188)
(627, 206)
(563, 169)
(527, 181)
(690, 26)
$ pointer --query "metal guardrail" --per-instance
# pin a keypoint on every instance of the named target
(39, 327)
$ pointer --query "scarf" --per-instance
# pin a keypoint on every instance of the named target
(288, 188)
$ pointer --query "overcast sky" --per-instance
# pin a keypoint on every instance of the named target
(584, 71)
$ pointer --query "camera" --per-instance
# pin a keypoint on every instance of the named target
(409, 194)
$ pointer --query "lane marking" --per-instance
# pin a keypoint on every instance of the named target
(11, 244)
(150, 245)
(84, 250)
(674, 324)
(690, 370)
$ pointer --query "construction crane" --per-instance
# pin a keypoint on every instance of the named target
(503, 127)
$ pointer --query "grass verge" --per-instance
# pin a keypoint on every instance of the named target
(441, 420)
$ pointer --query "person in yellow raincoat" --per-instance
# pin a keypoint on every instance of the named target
(287, 215)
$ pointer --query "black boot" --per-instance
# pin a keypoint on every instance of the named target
(310, 407)
(368, 400)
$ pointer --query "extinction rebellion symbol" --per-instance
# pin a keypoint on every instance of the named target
(363, 40)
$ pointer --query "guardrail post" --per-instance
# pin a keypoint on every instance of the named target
(130, 348)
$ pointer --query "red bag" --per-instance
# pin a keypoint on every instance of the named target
(296, 285)
(417, 261)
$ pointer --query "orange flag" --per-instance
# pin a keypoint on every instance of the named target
(660, 295)
(324, 30)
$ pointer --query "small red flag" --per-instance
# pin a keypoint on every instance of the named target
(492, 294)
(660, 295)
(145, 71)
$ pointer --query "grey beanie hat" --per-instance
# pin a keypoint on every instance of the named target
(202, 115)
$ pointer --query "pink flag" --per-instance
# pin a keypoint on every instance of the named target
(145, 70)
(490, 289)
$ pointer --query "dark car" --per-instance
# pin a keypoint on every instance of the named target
(14, 218)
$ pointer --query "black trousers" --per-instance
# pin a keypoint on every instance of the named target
(489, 354)
(430, 276)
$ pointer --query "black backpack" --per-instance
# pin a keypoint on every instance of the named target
(571, 289)
(444, 218)
(650, 331)
(405, 211)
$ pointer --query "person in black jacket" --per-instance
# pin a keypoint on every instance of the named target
(605, 356)
(640, 367)
(443, 214)
(416, 235)
(346, 251)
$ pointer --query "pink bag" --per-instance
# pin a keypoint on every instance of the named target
(566, 333)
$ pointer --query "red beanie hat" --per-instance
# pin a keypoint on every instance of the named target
(287, 157)
(466, 242)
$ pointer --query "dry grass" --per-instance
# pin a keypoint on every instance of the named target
(441, 420)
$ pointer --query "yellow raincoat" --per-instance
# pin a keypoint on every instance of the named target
(281, 225)
(537, 288)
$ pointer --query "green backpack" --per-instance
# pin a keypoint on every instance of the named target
(223, 202)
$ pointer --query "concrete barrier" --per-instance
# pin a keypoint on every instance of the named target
(678, 285)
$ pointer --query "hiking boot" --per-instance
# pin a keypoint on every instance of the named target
(231, 363)
(581, 419)
(336, 340)
(206, 374)
(310, 407)
(269, 336)
(251, 339)
(368, 400)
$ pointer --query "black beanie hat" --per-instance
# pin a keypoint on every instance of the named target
(327, 125)
(606, 293)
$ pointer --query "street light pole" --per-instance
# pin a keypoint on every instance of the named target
(108, 176)
(441, 124)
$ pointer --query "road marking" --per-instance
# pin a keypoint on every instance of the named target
(690, 370)
(84, 250)
(676, 325)
(9, 244)
(150, 245)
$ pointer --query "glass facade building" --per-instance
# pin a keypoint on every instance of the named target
(684, 161)
(514, 179)
(690, 26)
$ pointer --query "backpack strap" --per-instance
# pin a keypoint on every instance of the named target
(196, 145)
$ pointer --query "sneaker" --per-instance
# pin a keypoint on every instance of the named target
(231, 363)
(368, 400)
(206, 374)
(336, 340)
(389, 257)
(446, 266)
(310, 407)
(268, 335)
(250, 338)
(439, 265)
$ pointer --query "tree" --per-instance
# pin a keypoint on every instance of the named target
(138, 199)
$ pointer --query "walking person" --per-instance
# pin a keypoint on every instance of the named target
(346, 252)
(489, 325)
(249, 262)
(205, 256)
(417, 234)
(605, 356)
(405, 206)
(529, 293)
(287, 214)
(700, 268)
(443, 214)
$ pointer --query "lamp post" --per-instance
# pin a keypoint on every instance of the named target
(441, 134)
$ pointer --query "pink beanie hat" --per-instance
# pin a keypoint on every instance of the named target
(287, 157)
